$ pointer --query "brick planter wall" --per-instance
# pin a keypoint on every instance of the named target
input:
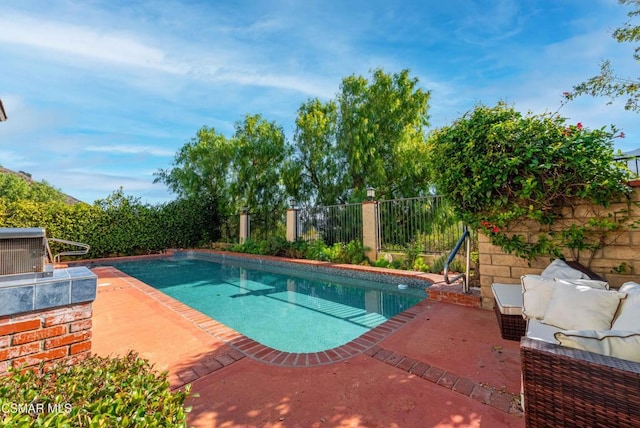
(496, 266)
(62, 333)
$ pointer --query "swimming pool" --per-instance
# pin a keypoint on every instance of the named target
(290, 310)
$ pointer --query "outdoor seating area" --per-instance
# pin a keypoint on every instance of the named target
(580, 346)
(571, 387)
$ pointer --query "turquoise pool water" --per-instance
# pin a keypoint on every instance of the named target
(279, 309)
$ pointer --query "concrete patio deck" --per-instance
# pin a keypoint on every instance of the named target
(435, 365)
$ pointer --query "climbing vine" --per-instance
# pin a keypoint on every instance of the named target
(509, 174)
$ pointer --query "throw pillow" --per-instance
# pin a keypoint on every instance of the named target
(559, 269)
(615, 343)
(629, 313)
(578, 307)
(593, 283)
(536, 295)
(537, 291)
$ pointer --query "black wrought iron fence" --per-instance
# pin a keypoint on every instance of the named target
(266, 225)
(425, 222)
(331, 223)
(229, 228)
(632, 162)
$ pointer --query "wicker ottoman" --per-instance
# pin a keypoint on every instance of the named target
(508, 308)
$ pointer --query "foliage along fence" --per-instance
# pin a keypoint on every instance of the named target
(121, 225)
(331, 223)
(426, 223)
(264, 226)
(423, 223)
(632, 162)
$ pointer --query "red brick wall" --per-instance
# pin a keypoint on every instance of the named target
(62, 333)
(453, 294)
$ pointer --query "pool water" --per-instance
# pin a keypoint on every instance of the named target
(278, 309)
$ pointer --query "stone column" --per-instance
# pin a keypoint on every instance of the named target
(244, 225)
(292, 224)
(370, 225)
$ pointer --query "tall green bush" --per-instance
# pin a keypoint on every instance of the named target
(119, 225)
(499, 168)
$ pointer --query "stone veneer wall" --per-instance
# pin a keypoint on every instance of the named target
(45, 336)
(498, 267)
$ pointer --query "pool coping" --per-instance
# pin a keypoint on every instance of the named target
(255, 350)
(412, 278)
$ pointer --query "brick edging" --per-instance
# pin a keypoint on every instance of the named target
(504, 401)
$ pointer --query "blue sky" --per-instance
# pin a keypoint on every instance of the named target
(102, 94)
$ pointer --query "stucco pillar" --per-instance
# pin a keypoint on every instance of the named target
(244, 225)
(292, 224)
(370, 225)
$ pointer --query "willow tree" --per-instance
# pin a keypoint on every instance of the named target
(261, 150)
(233, 172)
(201, 169)
(381, 133)
(317, 172)
(372, 134)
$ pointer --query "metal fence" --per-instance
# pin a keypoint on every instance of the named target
(425, 222)
(632, 162)
(267, 225)
(331, 223)
(229, 228)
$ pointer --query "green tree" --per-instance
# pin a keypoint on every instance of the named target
(381, 132)
(318, 171)
(15, 187)
(372, 134)
(608, 83)
(256, 169)
(201, 169)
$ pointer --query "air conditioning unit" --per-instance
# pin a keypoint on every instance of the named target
(24, 251)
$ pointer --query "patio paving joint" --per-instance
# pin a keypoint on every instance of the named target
(498, 399)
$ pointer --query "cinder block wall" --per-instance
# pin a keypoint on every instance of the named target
(496, 266)
(62, 333)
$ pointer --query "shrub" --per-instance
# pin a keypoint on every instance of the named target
(351, 252)
(96, 392)
(420, 266)
(119, 224)
(504, 168)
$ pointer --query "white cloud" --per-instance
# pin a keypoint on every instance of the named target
(228, 63)
(131, 149)
(119, 49)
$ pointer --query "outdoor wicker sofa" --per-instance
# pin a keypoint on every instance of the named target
(580, 355)
(566, 387)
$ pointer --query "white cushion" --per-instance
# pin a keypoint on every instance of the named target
(536, 295)
(629, 312)
(537, 291)
(593, 283)
(615, 343)
(579, 307)
(560, 269)
(508, 298)
(545, 332)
